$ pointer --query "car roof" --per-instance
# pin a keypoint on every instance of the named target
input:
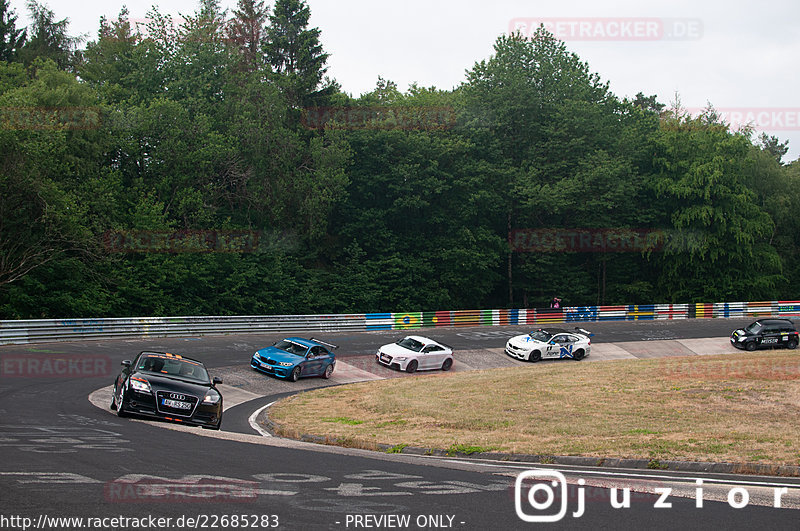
(303, 341)
(424, 340)
(553, 331)
(169, 355)
(774, 321)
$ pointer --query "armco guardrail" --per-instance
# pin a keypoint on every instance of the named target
(45, 330)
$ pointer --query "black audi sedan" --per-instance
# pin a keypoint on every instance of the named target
(170, 387)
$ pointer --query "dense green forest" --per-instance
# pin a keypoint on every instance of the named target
(213, 168)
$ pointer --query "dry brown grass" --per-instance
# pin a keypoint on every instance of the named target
(735, 407)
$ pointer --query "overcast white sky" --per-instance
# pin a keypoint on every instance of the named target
(741, 56)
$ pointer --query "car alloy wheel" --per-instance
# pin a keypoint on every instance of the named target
(295, 374)
(750, 346)
(792, 344)
(578, 354)
(121, 404)
(328, 371)
(412, 366)
(535, 356)
(447, 364)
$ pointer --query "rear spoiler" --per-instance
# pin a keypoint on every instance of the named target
(321, 342)
(584, 331)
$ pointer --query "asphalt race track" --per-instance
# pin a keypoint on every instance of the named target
(65, 455)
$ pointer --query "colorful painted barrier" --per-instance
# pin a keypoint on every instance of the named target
(44, 330)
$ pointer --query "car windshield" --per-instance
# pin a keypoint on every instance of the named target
(540, 335)
(173, 366)
(411, 344)
(754, 328)
(291, 347)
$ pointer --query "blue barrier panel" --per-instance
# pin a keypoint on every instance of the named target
(379, 321)
(581, 313)
(733, 309)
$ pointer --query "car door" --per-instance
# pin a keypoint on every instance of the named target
(560, 346)
(770, 336)
(127, 370)
(315, 360)
(553, 348)
(425, 357)
(325, 358)
(436, 355)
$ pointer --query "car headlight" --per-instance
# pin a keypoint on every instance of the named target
(400, 358)
(212, 397)
(285, 364)
(141, 385)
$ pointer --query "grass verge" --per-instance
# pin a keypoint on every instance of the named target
(734, 407)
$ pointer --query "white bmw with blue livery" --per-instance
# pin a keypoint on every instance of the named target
(552, 343)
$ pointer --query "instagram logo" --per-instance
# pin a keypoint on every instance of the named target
(546, 491)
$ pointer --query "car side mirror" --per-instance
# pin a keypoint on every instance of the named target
(217, 380)
(126, 363)
(551, 342)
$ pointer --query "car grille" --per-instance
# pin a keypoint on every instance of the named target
(160, 395)
(268, 360)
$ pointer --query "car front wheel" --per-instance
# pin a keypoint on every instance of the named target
(750, 346)
(412, 366)
(121, 404)
(535, 356)
(295, 374)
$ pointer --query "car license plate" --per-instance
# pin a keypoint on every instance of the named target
(266, 367)
(385, 358)
(177, 404)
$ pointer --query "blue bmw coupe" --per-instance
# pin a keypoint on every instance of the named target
(294, 358)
